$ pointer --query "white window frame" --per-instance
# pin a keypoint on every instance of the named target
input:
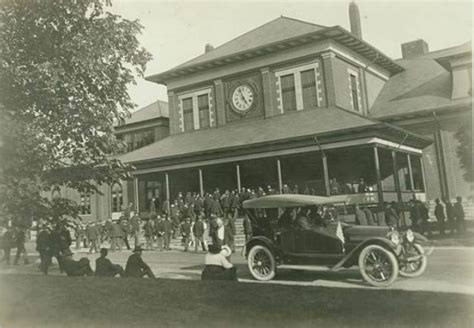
(296, 71)
(359, 95)
(194, 95)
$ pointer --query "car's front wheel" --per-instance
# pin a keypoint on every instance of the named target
(261, 263)
(378, 266)
(416, 268)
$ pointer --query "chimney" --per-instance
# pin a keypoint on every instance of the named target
(414, 48)
(354, 20)
(208, 48)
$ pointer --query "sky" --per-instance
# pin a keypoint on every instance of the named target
(177, 31)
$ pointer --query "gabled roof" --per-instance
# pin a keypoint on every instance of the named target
(154, 110)
(424, 86)
(253, 133)
(276, 35)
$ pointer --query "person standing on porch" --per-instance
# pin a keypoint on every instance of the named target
(149, 233)
(198, 231)
(439, 214)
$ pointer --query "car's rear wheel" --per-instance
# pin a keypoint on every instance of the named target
(414, 269)
(261, 263)
(378, 266)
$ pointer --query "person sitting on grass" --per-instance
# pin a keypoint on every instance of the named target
(76, 268)
(218, 266)
(105, 268)
(136, 267)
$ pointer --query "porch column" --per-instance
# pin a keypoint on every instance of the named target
(396, 177)
(135, 190)
(201, 183)
(326, 174)
(410, 173)
(377, 174)
(237, 171)
(167, 186)
(280, 181)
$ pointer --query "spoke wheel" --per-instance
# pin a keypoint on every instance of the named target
(416, 268)
(378, 266)
(261, 263)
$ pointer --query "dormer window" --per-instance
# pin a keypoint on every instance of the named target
(195, 110)
(299, 88)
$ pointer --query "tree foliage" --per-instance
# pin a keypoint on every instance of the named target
(464, 149)
(64, 71)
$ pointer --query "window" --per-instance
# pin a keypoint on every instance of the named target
(308, 86)
(196, 110)
(299, 87)
(288, 92)
(135, 140)
(85, 204)
(203, 106)
(188, 115)
(354, 92)
(117, 197)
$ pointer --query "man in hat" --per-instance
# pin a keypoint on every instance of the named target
(136, 267)
(93, 236)
(186, 233)
(76, 268)
(105, 268)
(167, 232)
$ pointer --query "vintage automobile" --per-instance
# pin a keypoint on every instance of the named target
(286, 236)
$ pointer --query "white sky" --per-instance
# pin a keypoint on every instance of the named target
(176, 31)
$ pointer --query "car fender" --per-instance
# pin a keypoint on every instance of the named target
(354, 253)
(259, 240)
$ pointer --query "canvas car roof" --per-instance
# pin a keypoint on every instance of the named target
(288, 200)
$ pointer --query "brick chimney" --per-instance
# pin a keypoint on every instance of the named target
(354, 20)
(414, 48)
(208, 48)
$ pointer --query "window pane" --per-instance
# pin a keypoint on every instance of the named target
(308, 84)
(354, 93)
(188, 118)
(203, 105)
(288, 92)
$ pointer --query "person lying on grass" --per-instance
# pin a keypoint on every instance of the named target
(76, 268)
(218, 266)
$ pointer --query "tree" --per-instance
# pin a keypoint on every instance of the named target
(464, 149)
(64, 71)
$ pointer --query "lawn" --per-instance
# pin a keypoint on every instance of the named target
(35, 300)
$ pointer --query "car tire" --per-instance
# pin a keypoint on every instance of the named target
(261, 263)
(378, 266)
(413, 272)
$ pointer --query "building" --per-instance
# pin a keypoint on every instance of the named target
(316, 108)
(144, 126)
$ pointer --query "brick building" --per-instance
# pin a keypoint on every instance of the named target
(296, 103)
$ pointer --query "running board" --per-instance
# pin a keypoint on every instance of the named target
(308, 267)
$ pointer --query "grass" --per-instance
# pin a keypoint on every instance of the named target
(39, 301)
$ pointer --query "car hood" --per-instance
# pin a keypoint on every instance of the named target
(360, 233)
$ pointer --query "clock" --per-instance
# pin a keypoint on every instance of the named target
(243, 98)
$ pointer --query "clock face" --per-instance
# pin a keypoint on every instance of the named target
(243, 97)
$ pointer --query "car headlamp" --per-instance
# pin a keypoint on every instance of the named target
(410, 236)
(395, 237)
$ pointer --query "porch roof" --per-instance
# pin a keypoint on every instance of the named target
(246, 134)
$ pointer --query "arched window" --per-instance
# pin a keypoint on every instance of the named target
(56, 193)
(85, 204)
(117, 197)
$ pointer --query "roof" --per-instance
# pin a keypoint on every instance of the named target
(246, 133)
(424, 86)
(279, 29)
(276, 35)
(154, 110)
(286, 200)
